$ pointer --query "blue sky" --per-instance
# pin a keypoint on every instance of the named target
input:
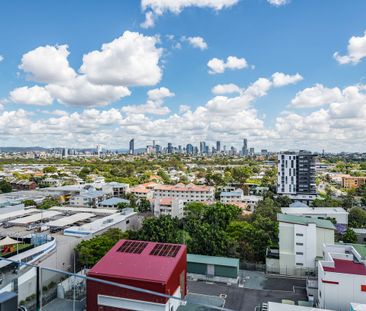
(322, 107)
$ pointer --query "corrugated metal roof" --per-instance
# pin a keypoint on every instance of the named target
(213, 260)
(301, 220)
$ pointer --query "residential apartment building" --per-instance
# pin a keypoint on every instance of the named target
(169, 206)
(89, 198)
(296, 175)
(118, 189)
(186, 193)
(232, 196)
(300, 242)
(353, 182)
(342, 276)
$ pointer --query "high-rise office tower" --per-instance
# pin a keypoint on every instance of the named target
(170, 148)
(189, 149)
(202, 147)
(245, 147)
(99, 150)
(251, 151)
(132, 146)
(218, 146)
(296, 174)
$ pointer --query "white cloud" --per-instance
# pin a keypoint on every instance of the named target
(80, 92)
(225, 89)
(154, 104)
(161, 6)
(1, 58)
(278, 2)
(316, 96)
(217, 65)
(130, 60)
(356, 51)
(48, 64)
(281, 79)
(35, 95)
(149, 20)
(197, 42)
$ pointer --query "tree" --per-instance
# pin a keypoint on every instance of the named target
(50, 169)
(122, 205)
(349, 236)
(48, 203)
(29, 203)
(143, 206)
(241, 174)
(89, 252)
(161, 229)
(5, 187)
(357, 218)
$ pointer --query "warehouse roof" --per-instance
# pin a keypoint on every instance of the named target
(213, 260)
(113, 201)
(66, 221)
(102, 211)
(140, 260)
(301, 220)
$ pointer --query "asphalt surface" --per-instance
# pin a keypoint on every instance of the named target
(246, 299)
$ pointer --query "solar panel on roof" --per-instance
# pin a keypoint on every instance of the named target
(132, 247)
(165, 250)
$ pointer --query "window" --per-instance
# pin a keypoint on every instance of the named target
(299, 264)
(299, 253)
(299, 234)
(300, 244)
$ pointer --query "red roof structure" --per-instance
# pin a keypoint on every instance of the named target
(346, 266)
(158, 267)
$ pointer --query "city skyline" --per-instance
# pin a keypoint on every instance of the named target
(284, 74)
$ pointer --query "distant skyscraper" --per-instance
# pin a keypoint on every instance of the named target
(245, 147)
(218, 146)
(202, 147)
(65, 152)
(189, 149)
(132, 146)
(99, 150)
(251, 151)
(170, 148)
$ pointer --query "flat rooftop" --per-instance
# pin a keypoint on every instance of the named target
(213, 260)
(66, 221)
(71, 209)
(315, 210)
(346, 267)
(302, 220)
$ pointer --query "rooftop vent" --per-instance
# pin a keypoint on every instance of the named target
(132, 247)
(165, 250)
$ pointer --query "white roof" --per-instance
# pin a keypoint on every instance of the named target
(66, 221)
(101, 211)
(97, 225)
(275, 306)
(16, 214)
(34, 218)
(315, 210)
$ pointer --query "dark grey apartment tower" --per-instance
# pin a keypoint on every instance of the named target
(189, 149)
(202, 147)
(132, 146)
(305, 173)
(170, 148)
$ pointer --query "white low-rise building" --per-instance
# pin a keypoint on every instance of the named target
(169, 206)
(300, 242)
(338, 213)
(342, 276)
(186, 193)
(236, 195)
(89, 198)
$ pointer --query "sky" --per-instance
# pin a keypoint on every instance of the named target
(283, 74)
